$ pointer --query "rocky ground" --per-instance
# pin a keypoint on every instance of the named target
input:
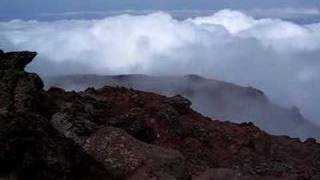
(212, 98)
(119, 133)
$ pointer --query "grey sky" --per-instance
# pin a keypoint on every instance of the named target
(28, 7)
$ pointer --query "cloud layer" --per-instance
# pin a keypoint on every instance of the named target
(277, 56)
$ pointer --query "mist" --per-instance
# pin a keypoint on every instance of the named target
(215, 99)
(277, 56)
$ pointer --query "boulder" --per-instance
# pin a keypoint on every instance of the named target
(180, 103)
(124, 156)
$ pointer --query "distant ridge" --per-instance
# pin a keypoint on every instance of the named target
(116, 133)
(213, 98)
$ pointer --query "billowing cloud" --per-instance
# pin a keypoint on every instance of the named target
(277, 56)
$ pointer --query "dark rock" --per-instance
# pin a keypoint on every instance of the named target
(222, 174)
(90, 90)
(28, 93)
(179, 102)
(310, 141)
(256, 94)
(119, 133)
(122, 154)
(247, 124)
(19, 90)
(5, 98)
(31, 149)
(194, 77)
(16, 60)
(213, 98)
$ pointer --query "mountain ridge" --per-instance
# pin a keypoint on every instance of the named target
(115, 133)
(213, 98)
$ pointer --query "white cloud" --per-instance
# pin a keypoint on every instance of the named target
(277, 56)
(233, 21)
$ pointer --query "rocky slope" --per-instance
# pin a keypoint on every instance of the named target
(119, 133)
(216, 99)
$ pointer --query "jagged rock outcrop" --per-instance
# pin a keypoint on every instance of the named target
(212, 98)
(119, 133)
(19, 90)
(30, 147)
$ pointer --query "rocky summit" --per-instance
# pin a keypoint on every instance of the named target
(119, 133)
(213, 98)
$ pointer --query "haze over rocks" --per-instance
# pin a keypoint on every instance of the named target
(119, 133)
(278, 56)
(213, 98)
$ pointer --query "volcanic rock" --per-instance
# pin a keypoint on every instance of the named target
(179, 102)
(119, 133)
(16, 60)
(213, 98)
(19, 90)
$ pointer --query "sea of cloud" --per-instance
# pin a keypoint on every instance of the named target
(280, 57)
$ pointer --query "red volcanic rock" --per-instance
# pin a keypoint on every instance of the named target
(212, 98)
(119, 133)
(125, 157)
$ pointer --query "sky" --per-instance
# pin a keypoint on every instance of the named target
(21, 9)
(272, 45)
